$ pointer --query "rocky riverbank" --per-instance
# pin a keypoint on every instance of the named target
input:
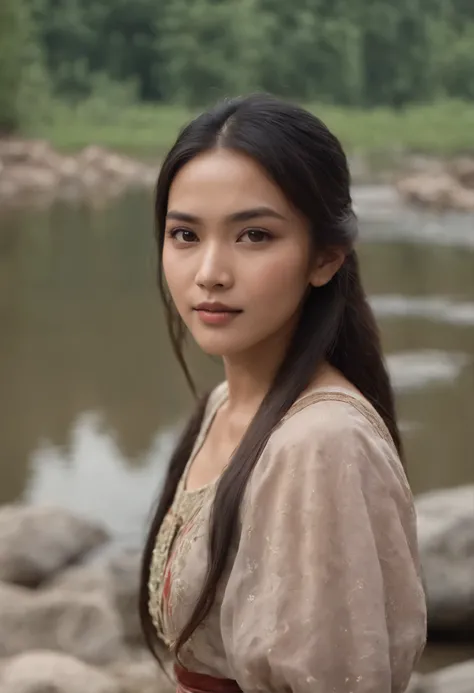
(68, 601)
(68, 605)
(439, 186)
(32, 172)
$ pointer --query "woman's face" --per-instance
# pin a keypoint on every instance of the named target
(237, 257)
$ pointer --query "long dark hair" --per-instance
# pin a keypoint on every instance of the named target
(308, 163)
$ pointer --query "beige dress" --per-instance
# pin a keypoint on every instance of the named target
(322, 592)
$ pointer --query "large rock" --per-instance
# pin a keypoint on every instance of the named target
(142, 674)
(440, 185)
(84, 578)
(36, 542)
(458, 678)
(125, 572)
(51, 672)
(446, 539)
(416, 684)
(118, 578)
(33, 178)
(32, 170)
(463, 170)
(113, 165)
(437, 191)
(84, 625)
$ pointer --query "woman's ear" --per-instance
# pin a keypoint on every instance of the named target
(326, 266)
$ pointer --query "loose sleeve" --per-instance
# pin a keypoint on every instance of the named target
(324, 595)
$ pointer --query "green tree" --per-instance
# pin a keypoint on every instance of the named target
(210, 48)
(115, 37)
(352, 52)
(23, 80)
(13, 33)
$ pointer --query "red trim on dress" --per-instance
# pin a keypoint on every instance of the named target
(190, 682)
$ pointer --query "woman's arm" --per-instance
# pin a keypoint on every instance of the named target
(325, 592)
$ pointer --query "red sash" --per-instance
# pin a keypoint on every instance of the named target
(190, 682)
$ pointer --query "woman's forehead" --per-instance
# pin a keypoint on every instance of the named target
(223, 182)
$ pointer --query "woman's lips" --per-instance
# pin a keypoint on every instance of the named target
(216, 314)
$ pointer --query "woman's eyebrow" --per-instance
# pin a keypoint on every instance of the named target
(182, 216)
(255, 213)
(243, 215)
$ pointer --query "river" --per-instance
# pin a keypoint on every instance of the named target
(91, 397)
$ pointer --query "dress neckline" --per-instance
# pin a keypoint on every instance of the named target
(317, 394)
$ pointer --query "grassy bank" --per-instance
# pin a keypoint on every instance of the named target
(147, 131)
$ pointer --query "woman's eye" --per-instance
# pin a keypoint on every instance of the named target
(183, 235)
(255, 236)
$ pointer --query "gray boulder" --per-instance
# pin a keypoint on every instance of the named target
(446, 540)
(125, 571)
(52, 672)
(416, 684)
(458, 678)
(118, 578)
(37, 542)
(86, 577)
(140, 673)
(83, 625)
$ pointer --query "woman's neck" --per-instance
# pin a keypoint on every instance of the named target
(250, 374)
(249, 380)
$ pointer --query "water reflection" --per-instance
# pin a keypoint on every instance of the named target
(436, 308)
(387, 221)
(91, 475)
(91, 394)
(419, 369)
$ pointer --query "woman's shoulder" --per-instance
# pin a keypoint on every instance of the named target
(321, 414)
(332, 412)
(333, 429)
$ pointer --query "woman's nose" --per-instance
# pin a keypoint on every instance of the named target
(214, 270)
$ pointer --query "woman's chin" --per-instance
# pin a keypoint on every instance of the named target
(216, 350)
(221, 347)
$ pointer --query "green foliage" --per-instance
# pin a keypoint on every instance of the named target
(148, 130)
(351, 52)
(210, 49)
(13, 38)
(116, 37)
(355, 53)
(24, 84)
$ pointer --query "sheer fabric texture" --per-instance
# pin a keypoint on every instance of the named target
(323, 590)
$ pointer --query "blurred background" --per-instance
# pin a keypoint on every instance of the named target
(94, 92)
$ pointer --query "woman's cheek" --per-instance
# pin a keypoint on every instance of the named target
(282, 276)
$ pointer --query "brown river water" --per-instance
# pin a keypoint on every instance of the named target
(91, 398)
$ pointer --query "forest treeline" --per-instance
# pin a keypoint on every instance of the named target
(360, 53)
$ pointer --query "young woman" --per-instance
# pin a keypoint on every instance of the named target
(283, 553)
